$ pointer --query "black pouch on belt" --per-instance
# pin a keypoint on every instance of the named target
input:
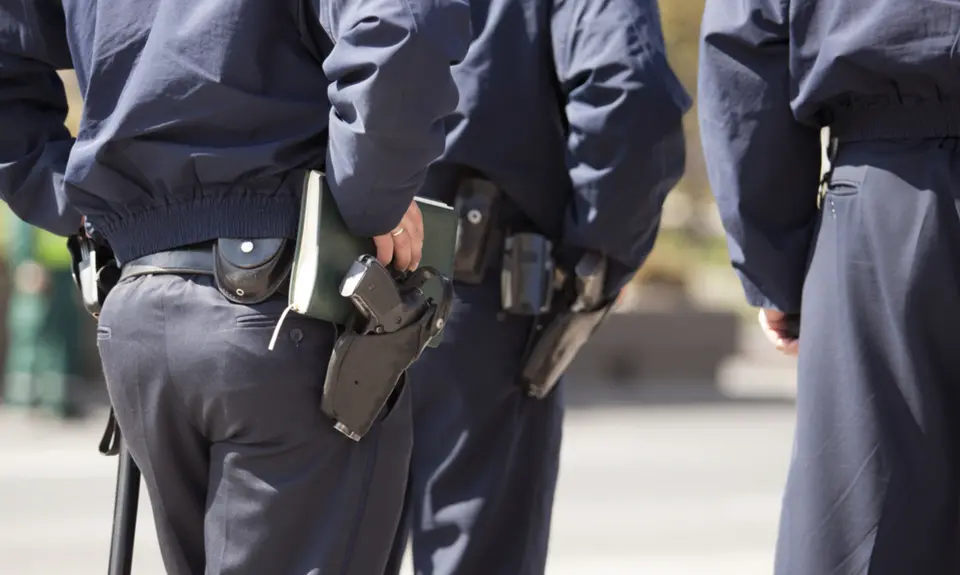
(249, 272)
(365, 370)
(478, 204)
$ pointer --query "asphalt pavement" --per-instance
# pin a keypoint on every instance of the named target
(668, 479)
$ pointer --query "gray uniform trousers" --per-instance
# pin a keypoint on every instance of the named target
(874, 484)
(244, 473)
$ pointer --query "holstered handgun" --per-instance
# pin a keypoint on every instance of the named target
(567, 307)
(557, 337)
(393, 323)
(95, 270)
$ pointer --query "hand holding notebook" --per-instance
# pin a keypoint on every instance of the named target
(403, 247)
(326, 251)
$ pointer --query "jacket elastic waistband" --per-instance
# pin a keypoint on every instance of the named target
(174, 226)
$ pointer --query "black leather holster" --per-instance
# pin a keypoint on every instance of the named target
(370, 367)
(554, 345)
(558, 336)
(494, 232)
(95, 271)
(370, 358)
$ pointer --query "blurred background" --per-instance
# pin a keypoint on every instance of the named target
(677, 436)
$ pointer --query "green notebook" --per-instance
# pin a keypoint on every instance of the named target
(326, 250)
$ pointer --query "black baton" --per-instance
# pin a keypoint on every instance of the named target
(124, 514)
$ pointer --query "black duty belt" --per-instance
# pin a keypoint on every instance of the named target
(926, 120)
(196, 259)
(190, 260)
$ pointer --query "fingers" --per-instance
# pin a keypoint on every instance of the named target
(404, 245)
(620, 296)
(417, 217)
(384, 246)
(402, 251)
(767, 330)
(788, 346)
(413, 228)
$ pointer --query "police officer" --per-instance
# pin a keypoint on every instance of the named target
(200, 118)
(874, 484)
(571, 112)
(43, 366)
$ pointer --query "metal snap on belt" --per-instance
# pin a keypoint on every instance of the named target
(246, 247)
(474, 217)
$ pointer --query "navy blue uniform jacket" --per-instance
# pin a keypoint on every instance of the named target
(571, 108)
(200, 116)
(772, 74)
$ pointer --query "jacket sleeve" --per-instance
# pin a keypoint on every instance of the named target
(391, 88)
(624, 108)
(34, 143)
(763, 165)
